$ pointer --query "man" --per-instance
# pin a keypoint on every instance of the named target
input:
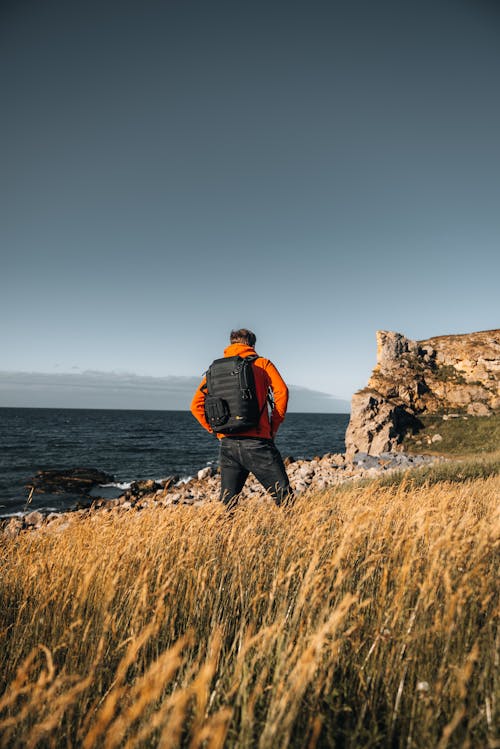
(252, 450)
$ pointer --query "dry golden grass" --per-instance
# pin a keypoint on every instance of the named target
(361, 617)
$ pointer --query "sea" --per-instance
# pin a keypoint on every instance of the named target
(130, 445)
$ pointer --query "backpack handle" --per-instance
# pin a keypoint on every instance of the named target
(242, 371)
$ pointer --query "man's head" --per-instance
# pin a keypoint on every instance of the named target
(243, 336)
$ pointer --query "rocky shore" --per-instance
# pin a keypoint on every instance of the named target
(306, 477)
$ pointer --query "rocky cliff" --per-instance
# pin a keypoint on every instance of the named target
(450, 373)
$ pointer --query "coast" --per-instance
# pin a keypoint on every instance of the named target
(307, 477)
(157, 615)
(165, 613)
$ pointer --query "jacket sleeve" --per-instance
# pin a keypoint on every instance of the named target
(280, 395)
(198, 406)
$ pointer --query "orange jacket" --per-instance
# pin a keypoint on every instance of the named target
(266, 376)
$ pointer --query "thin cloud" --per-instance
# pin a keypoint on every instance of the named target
(95, 389)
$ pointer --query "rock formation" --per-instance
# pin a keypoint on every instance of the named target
(68, 480)
(454, 373)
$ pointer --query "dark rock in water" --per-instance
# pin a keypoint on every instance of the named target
(85, 503)
(68, 480)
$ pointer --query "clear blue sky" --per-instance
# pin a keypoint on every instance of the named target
(314, 171)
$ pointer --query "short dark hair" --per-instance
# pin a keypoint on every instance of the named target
(243, 336)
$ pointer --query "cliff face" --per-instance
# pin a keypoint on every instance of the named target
(439, 375)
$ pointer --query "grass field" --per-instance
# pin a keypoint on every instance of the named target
(364, 616)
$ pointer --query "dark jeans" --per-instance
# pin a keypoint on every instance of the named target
(241, 455)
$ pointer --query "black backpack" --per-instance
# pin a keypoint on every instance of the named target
(231, 404)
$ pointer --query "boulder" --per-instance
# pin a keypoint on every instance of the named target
(34, 518)
(54, 517)
(146, 486)
(68, 480)
(204, 473)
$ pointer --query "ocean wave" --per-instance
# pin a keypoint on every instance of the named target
(184, 480)
(127, 484)
(42, 510)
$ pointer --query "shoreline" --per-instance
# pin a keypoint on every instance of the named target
(306, 476)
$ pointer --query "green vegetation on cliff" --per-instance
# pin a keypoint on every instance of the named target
(460, 435)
